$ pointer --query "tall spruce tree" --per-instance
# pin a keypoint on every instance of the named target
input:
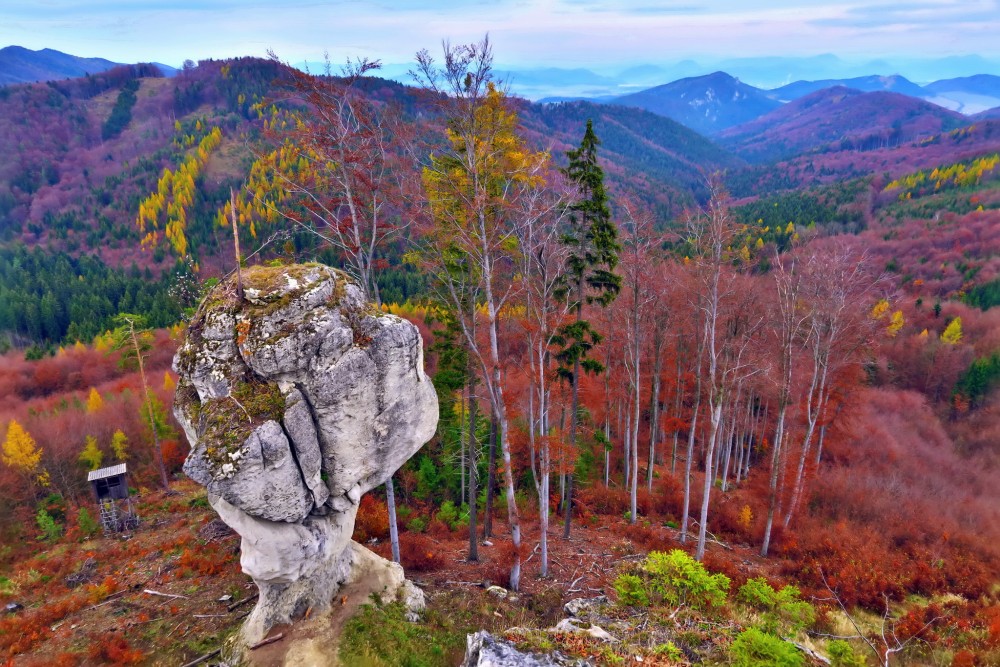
(588, 277)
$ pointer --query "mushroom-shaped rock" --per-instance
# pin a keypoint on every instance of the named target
(296, 401)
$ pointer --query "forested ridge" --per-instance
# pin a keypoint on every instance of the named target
(787, 371)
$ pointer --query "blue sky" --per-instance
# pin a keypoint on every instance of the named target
(562, 33)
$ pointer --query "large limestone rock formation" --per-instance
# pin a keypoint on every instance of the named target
(296, 401)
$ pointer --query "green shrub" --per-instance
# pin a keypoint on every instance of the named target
(793, 611)
(453, 516)
(51, 530)
(680, 579)
(754, 648)
(842, 654)
(631, 590)
(417, 524)
(55, 506)
(88, 526)
(757, 593)
(783, 609)
(670, 652)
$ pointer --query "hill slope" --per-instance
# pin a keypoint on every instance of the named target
(77, 187)
(848, 118)
(646, 155)
(706, 104)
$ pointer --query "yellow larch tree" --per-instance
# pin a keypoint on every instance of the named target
(896, 323)
(21, 453)
(119, 445)
(94, 401)
(953, 332)
(91, 456)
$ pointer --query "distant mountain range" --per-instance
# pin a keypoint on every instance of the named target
(868, 84)
(21, 65)
(838, 118)
(762, 72)
(713, 103)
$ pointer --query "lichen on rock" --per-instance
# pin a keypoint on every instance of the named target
(296, 401)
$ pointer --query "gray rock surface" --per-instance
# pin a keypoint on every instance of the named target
(583, 606)
(570, 625)
(297, 401)
(484, 650)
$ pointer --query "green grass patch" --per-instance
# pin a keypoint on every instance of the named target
(380, 636)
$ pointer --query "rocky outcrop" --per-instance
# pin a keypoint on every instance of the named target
(296, 401)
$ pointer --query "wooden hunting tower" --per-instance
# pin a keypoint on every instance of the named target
(114, 504)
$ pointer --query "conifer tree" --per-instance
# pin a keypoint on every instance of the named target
(588, 277)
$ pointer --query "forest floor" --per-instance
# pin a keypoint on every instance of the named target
(166, 594)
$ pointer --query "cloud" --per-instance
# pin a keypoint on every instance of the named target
(539, 32)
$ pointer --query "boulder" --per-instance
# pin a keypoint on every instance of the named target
(296, 401)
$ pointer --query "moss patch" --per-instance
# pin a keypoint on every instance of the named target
(227, 422)
(275, 291)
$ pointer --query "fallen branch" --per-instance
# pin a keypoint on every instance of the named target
(211, 615)
(111, 598)
(236, 605)
(150, 620)
(203, 658)
(269, 640)
(574, 583)
(808, 651)
(164, 595)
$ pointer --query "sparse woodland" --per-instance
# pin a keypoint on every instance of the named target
(780, 381)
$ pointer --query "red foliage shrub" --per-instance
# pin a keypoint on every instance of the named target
(20, 633)
(114, 649)
(993, 630)
(668, 496)
(419, 553)
(600, 499)
(647, 537)
(65, 659)
(203, 559)
(174, 454)
(438, 528)
(915, 623)
(372, 520)
(500, 560)
(720, 562)
(964, 658)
